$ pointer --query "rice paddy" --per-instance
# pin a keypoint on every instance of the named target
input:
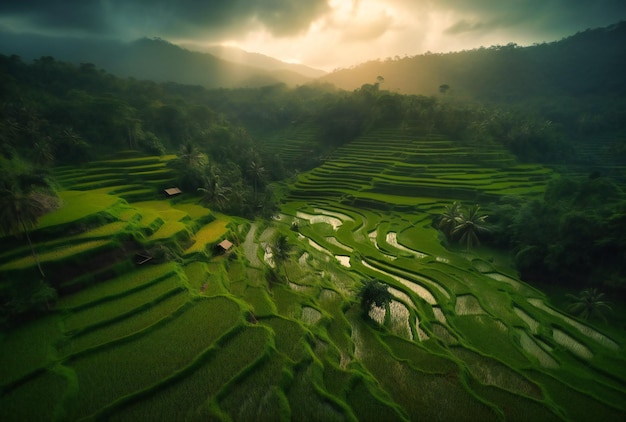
(201, 335)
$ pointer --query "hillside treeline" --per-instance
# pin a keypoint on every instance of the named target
(339, 116)
(576, 82)
(573, 236)
(54, 112)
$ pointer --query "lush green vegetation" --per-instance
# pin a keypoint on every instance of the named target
(134, 313)
(571, 236)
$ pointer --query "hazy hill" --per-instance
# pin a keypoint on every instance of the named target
(237, 55)
(152, 59)
(592, 62)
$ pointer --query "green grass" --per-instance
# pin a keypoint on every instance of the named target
(305, 398)
(289, 337)
(168, 230)
(131, 324)
(193, 211)
(188, 396)
(111, 373)
(368, 407)
(38, 400)
(118, 286)
(440, 397)
(260, 392)
(57, 254)
(75, 206)
(106, 230)
(28, 348)
(208, 234)
(101, 312)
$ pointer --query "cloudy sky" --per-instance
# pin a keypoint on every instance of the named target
(326, 34)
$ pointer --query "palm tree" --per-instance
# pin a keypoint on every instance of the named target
(190, 156)
(588, 304)
(19, 213)
(258, 173)
(215, 192)
(469, 225)
(43, 154)
(448, 220)
(281, 252)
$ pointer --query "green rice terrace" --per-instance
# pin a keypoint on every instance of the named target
(152, 323)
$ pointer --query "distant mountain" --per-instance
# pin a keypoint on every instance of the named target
(592, 62)
(154, 59)
(237, 55)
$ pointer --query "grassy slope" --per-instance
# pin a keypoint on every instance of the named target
(208, 336)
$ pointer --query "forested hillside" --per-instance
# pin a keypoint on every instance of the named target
(156, 59)
(577, 81)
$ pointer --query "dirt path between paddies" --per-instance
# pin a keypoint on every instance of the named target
(250, 247)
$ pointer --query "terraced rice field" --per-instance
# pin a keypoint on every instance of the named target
(208, 336)
(128, 176)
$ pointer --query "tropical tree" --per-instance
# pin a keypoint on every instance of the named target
(43, 154)
(257, 173)
(281, 252)
(371, 293)
(191, 164)
(214, 191)
(190, 156)
(448, 220)
(468, 225)
(20, 212)
(589, 304)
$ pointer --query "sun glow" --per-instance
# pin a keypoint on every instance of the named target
(353, 31)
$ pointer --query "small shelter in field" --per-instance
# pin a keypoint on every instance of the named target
(224, 246)
(142, 258)
(170, 192)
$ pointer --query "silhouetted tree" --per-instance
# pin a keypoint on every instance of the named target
(468, 225)
(371, 293)
(281, 252)
(589, 304)
(448, 220)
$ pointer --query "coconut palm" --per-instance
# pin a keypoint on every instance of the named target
(448, 220)
(281, 252)
(19, 213)
(588, 304)
(43, 154)
(215, 192)
(257, 172)
(469, 225)
(190, 156)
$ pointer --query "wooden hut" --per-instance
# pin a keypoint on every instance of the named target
(170, 192)
(224, 246)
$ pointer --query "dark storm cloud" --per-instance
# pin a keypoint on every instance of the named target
(169, 18)
(551, 16)
(74, 14)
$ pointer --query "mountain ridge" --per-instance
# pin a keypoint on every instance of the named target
(238, 55)
(590, 61)
(151, 58)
